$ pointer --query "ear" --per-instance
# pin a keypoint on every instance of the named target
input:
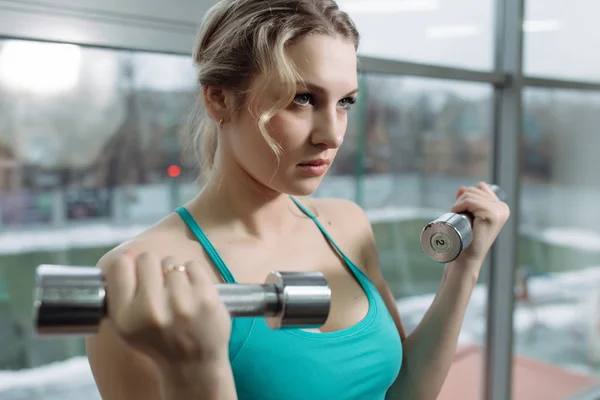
(217, 102)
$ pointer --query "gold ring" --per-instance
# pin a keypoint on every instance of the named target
(176, 268)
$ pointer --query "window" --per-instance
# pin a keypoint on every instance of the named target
(560, 38)
(86, 141)
(557, 310)
(459, 33)
(87, 126)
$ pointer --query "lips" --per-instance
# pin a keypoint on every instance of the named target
(315, 163)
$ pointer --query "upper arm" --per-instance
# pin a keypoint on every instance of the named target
(369, 256)
(120, 372)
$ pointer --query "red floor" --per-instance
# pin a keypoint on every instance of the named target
(531, 379)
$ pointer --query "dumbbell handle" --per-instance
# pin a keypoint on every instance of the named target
(251, 300)
(72, 300)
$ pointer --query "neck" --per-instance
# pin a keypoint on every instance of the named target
(236, 199)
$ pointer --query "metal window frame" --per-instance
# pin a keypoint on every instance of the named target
(505, 169)
(499, 78)
(549, 83)
(406, 68)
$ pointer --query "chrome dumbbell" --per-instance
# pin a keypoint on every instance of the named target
(445, 238)
(71, 300)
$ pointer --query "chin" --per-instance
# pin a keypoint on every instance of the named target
(304, 187)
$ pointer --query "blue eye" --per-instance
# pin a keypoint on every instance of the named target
(304, 99)
(347, 102)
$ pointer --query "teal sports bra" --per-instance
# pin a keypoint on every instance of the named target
(357, 363)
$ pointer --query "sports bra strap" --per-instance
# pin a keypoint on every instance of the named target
(218, 261)
(206, 244)
(325, 233)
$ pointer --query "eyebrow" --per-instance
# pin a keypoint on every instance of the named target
(319, 89)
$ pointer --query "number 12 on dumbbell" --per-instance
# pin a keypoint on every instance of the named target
(446, 237)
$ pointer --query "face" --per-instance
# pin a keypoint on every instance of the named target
(310, 130)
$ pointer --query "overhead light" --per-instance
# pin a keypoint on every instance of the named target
(387, 6)
(548, 25)
(451, 31)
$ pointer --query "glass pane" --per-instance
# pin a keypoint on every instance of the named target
(457, 33)
(418, 140)
(561, 38)
(557, 311)
(87, 139)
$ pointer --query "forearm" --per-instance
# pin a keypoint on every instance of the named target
(429, 350)
(211, 382)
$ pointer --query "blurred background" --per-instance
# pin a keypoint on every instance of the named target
(95, 96)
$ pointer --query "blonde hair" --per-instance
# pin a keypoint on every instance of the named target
(239, 39)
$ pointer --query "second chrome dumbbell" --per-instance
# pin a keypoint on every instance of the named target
(445, 238)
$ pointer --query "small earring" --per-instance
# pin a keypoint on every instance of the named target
(221, 122)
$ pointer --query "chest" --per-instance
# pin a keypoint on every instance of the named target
(250, 261)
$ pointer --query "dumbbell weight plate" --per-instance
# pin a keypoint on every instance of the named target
(446, 237)
(305, 299)
(68, 300)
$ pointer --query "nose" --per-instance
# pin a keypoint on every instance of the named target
(329, 128)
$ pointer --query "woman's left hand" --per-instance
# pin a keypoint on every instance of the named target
(489, 216)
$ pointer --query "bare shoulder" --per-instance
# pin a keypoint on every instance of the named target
(347, 223)
(341, 214)
(168, 237)
(165, 229)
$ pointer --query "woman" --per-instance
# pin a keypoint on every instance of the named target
(277, 78)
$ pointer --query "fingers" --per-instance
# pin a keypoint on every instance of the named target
(121, 282)
(470, 200)
(481, 188)
(470, 204)
(204, 287)
(487, 189)
(199, 276)
(178, 286)
(151, 284)
(175, 274)
(147, 290)
(460, 191)
(482, 202)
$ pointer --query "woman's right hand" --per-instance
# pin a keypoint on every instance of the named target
(176, 318)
